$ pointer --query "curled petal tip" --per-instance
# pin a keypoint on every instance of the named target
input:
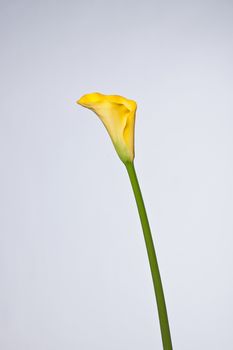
(80, 101)
(88, 100)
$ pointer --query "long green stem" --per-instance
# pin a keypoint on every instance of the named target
(158, 288)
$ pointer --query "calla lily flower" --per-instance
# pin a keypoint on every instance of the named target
(118, 116)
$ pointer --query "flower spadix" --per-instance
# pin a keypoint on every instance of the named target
(118, 116)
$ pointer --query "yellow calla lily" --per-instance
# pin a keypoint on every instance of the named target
(118, 116)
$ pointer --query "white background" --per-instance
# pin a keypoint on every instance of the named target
(73, 267)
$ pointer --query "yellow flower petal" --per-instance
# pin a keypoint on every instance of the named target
(118, 116)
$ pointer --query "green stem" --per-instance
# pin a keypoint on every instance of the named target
(158, 288)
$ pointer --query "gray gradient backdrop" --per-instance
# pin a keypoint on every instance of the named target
(73, 267)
